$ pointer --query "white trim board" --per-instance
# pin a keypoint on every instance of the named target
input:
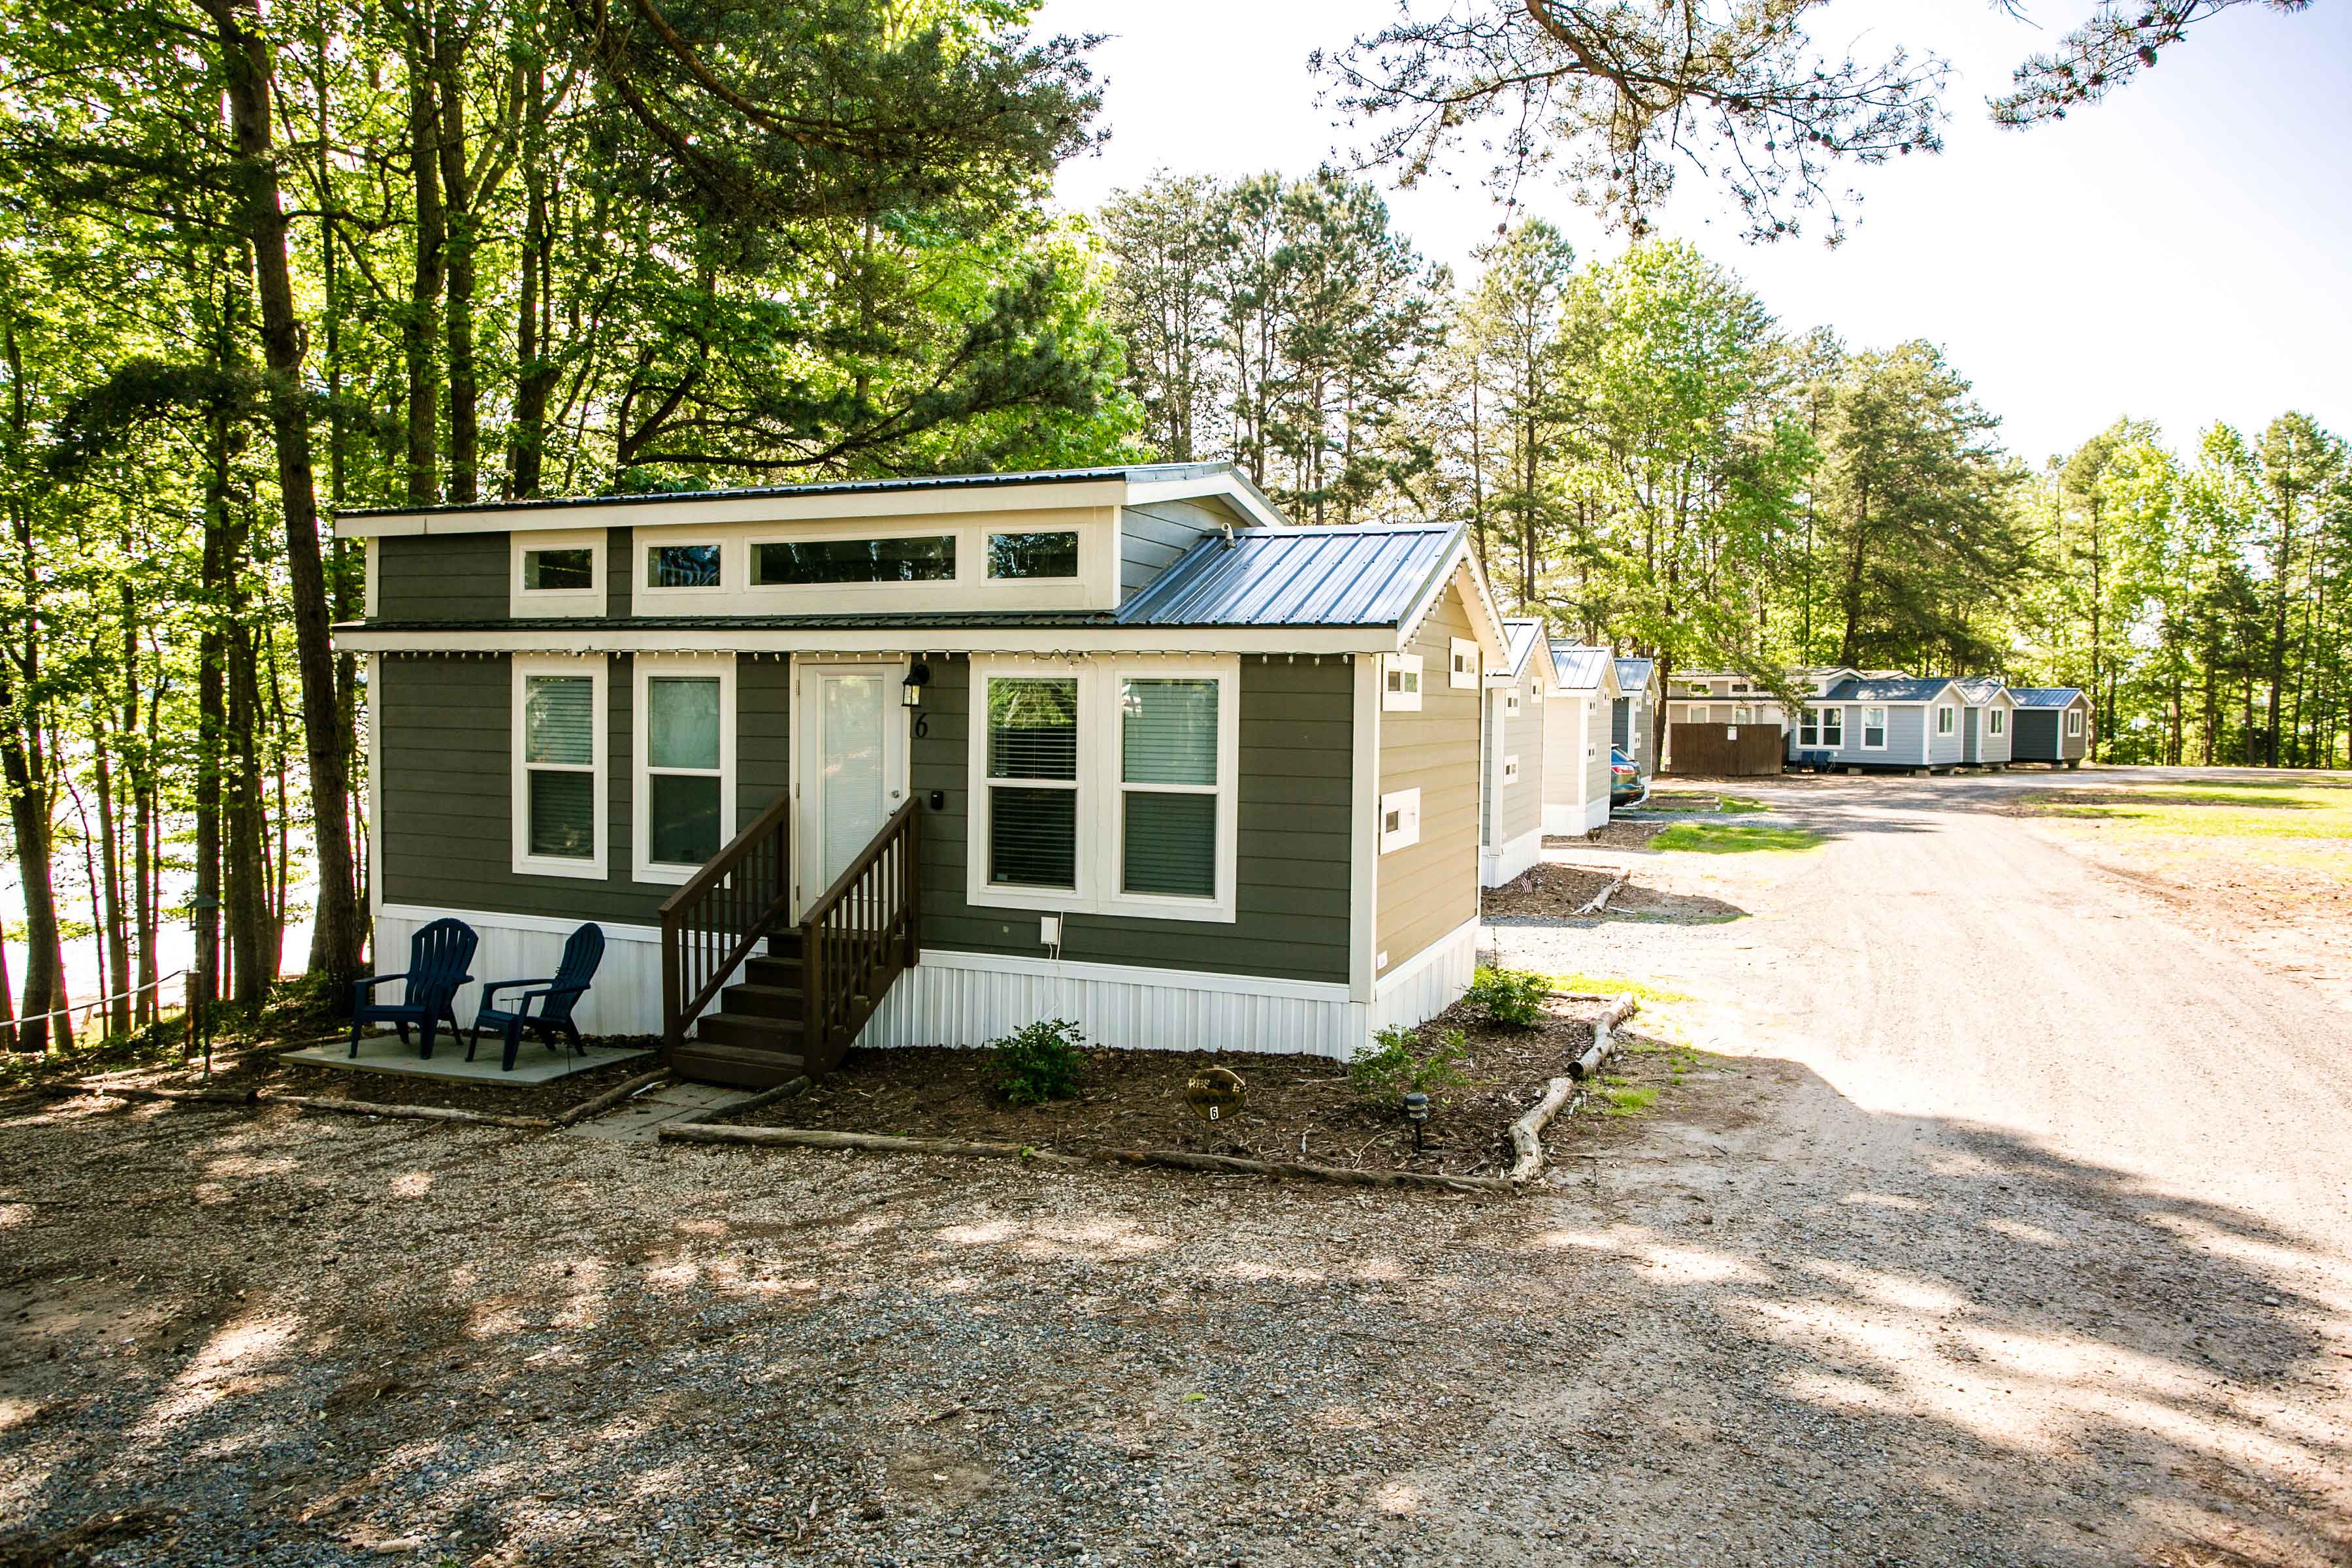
(1500, 864)
(1051, 642)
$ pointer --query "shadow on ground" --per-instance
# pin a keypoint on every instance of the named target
(328, 1341)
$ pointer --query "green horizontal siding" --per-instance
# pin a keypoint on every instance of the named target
(446, 795)
(1291, 901)
(442, 577)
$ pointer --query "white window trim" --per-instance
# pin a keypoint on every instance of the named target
(1809, 727)
(1948, 719)
(641, 792)
(1464, 669)
(646, 599)
(1101, 790)
(1510, 704)
(1393, 701)
(524, 604)
(2073, 723)
(1996, 722)
(1406, 805)
(523, 863)
(1510, 770)
(1838, 744)
(1883, 727)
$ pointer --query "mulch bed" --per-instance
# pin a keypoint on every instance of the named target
(1548, 890)
(1300, 1108)
(261, 1069)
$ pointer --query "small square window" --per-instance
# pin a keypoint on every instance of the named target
(1399, 819)
(1510, 770)
(1401, 682)
(1465, 664)
(1033, 555)
(682, 566)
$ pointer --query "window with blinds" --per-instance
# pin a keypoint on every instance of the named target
(559, 758)
(1168, 788)
(683, 783)
(1033, 781)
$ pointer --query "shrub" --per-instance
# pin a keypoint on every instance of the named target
(1511, 997)
(1038, 1063)
(1398, 1066)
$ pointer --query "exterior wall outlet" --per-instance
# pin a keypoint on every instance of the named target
(1049, 929)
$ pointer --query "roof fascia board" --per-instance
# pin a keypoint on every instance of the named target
(702, 510)
(895, 639)
(1459, 564)
(1232, 488)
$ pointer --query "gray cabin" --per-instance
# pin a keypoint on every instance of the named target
(2053, 725)
(1989, 723)
(1633, 723)
(918, 762)
(1877, 722)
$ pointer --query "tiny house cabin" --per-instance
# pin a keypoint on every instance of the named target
(1720, 697)
(2053, 725)
(918, 762)
(1511, 807)
(1988, 722)
(1872, 722)
(1577, 728)
(1633, 721)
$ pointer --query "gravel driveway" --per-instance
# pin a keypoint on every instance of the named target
(2014, 1230)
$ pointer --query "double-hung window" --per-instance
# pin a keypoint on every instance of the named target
(1874, 729)
(1947, 721)
(684, 736)
(2073, 723)
(559, 766)
(1105, 786)
(1996, 722)
(1833, 728)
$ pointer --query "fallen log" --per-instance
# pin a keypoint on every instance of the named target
(1604, 1038)
(1175, 1159)
(145, 1091)
(1600, 900)
(609, 1098)
(1527, 1133)
(407, 1112)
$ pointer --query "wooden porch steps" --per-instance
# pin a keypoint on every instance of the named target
(753, 1038)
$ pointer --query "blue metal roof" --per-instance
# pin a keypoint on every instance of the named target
(1296, 577)
(2045, 696)
(1982, 688)
(1903, 689)
(1578, 668)
(1524, 634)
(1633, 674)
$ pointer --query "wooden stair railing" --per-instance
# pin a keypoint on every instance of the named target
(860, 935)
(712, 924)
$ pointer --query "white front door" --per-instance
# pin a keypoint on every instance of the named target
(852, 767)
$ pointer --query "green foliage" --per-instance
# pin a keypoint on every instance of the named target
(1512, 997)
(1398, 1065)
(1038, 1062)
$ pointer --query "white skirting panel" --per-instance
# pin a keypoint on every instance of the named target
(1573, 820)
(966, 999)
(625, 998)
(1499, 865)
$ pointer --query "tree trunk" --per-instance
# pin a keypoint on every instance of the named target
(448, 80)
(335, 941)
(534, 375)
(116, 931)
(22, 768)
(425, 279)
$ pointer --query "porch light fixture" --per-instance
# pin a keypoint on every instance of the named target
(919, 676)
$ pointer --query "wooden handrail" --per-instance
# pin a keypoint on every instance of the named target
(724, 910)
(861, 933)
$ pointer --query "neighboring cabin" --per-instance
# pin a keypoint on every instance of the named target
(1511, 814)
(2053, 725)
(1870, 721)
(1118, 745)
(1989, 723)
(1633, 723)
(1577, 741)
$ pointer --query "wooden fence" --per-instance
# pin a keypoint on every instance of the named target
(1723, 751)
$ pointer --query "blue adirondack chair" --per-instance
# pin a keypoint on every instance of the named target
(438, 957)
(556, 995)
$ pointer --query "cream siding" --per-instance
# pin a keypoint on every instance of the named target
(1428, 889)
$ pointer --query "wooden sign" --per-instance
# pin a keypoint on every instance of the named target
(1215, 1093)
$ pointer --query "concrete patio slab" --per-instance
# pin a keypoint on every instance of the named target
(534, 1064)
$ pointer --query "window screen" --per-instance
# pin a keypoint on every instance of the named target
(1168, 777)
(1033, 824)
(1032, 554)
(560, 755)
(929, 559)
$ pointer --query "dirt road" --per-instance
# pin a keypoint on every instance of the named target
(2013, 1229)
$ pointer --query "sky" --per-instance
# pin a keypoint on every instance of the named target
(2178, 253)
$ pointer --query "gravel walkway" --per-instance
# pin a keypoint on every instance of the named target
(1902, 1291)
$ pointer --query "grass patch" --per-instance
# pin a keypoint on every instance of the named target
(1740, 806)
(1625, 1099)
(2193, 812)
(1734, 838)
(1616, 985)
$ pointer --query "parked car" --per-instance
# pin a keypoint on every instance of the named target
(1626, 784)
